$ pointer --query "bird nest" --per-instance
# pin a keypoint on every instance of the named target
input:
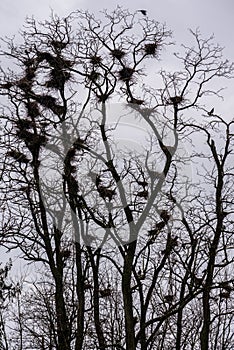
(55, 62)
(24, 124)
(93, 76)
(95, 60)
(47, 101)
(50, 102)
(176, 100)
(18, 156)
(33, 110)
(59, 45)
(150, 49)
(117, 53)
(58, 78)
(126, 74)
(58, 110)
(25, 84)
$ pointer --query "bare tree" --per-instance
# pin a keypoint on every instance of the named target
(8, 292)
(131, 245)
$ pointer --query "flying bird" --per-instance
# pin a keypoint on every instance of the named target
(211, 111)
(144, 12)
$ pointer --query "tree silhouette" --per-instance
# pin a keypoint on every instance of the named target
(131, 244)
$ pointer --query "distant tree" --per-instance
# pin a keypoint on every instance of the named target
(8, 291)
(130, 247)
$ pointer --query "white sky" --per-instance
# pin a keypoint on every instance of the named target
(212, 16)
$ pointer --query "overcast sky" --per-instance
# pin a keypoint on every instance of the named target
(211, 16)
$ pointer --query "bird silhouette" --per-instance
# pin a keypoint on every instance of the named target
(211, 111)
(144, 12)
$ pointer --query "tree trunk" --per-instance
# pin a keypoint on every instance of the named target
(127, 297)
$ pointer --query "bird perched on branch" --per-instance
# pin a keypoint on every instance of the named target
(211, 112)
(144, 12)
(140, 274)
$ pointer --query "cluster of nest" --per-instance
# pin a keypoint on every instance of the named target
(26, 130)
(58, 75)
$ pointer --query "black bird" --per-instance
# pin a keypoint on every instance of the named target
(211, 111)
(144, 12)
